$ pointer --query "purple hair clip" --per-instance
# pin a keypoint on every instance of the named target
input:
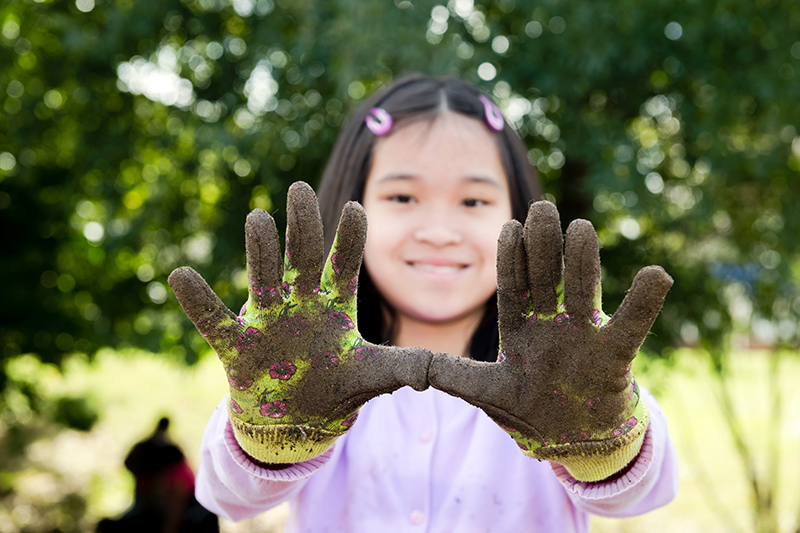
(493, 116)
(379, 121)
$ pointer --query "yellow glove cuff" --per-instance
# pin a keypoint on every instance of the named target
(597, 460)
(281, 443)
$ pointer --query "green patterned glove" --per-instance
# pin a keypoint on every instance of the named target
(562, 385)
(297, 366)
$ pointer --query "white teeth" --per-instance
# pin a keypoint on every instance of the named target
(437, 268)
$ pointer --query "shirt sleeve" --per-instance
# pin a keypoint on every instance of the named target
(230, 485)
(650, 482)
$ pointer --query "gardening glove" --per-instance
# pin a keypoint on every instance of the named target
(562, 385)
(297, 366)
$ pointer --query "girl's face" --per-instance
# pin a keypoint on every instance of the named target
(436, 200)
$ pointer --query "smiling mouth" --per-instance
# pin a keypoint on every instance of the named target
(439, 269)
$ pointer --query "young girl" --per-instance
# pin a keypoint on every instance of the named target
(439, 174)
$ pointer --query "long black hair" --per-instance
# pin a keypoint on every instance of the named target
(408, 100)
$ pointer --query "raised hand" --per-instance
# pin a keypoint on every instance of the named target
(297, 366)
(562, 385)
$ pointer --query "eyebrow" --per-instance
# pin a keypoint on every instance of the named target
(397, 177)
(469, 179)
(482, 179)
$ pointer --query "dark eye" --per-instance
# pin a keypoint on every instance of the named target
(473, 202)
(401, 198)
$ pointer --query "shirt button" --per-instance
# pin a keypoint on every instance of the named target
(426, 435)
(416, 518)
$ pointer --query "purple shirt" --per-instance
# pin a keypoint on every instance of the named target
(426, 461)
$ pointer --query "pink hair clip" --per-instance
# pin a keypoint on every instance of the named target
(379, 121)
(493, 116)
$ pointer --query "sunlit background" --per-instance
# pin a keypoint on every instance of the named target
(136, 135)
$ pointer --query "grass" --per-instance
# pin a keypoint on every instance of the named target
(133, 389)
(714, 494)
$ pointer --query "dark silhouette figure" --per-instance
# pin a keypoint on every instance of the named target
(164, 500)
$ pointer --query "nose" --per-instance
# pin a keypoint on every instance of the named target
(438, 233)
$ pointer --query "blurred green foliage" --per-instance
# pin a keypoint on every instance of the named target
(35, 497)
(136, 135)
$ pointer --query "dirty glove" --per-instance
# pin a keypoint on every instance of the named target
(562, 385)
(297, 366)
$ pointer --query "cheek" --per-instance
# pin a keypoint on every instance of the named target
(485, 238)
(489, 243)
(381, 241)
(486, 242)
(489, 272)
(372, 259)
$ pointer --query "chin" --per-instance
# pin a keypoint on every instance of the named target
(442, 314)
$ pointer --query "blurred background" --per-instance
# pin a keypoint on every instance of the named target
(135, 136)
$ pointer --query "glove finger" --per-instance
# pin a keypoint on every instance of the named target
(627, 329)
(512, 276)
(304, 238)
(209, 314)
(581, 270)
(399, 367)
(489, 386)
(370, 370)
(263, 257)
(344, 261)
(544, 246)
